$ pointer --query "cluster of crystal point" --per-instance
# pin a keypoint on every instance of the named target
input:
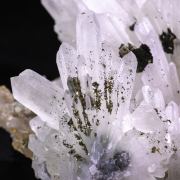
(115, 113)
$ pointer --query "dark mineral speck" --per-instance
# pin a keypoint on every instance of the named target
(131, 27)
(167, 39)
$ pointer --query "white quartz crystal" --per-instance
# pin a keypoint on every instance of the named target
(117, 18)
(115, 113)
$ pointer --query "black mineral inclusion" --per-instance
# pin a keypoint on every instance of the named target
(167, 41)
(132, 27)
(144, 57)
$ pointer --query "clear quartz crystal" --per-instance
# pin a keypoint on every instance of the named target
(115, 113)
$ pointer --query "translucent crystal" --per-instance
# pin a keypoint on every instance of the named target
(115, 113)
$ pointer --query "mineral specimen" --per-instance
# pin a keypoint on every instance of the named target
(118, 21)
(115, 113)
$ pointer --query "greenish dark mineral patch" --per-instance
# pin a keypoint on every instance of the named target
(71, 125)
(108, 88)
(67, 144)
(125, 49)
(97, 101)
(154, 149)
(77, 95)
(83, 146)
(77, 136)
(167, 40)
(72, 151)
(78, 157)
(144, 57)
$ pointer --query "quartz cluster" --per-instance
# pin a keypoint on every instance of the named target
(115, 113)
